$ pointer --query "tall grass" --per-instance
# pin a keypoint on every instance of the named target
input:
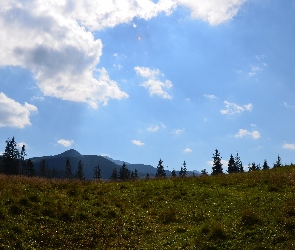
(254, 210)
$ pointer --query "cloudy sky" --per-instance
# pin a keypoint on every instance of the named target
(140, 80)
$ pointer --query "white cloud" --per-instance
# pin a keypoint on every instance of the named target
(65, 143)
(187, 150)
(289, 146)
(13, 114)
(244, 133)
(153, 128)
(288, 106)
(232, 108)
(213, 11)
(177, 131)
(253, 125)
(211, 97)
(55, 41)
(153, 84)
(137, 143)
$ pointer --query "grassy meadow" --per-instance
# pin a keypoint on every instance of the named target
(254, 210)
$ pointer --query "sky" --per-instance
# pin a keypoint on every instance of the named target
(140, 80)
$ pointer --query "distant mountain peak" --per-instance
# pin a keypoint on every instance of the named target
(70, 153)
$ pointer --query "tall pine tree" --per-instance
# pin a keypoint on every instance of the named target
(265, 165)
(80, 172)
(182, 172)
(68, 171)
(97, 173)
(232, 167)
(238, 163)
(278, 163)
(11, 157)
(160, 169)
(217, 165)
(114, 175)
(124, 173)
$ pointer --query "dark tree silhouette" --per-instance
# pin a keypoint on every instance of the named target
(114, 175)
(232, 167)
(278, 163)
(11, 157)
(124, 173)
(183, 170)
(204, 172)
(253, 167)
(97, 173)
(238, 163)
(160, 169)
(217, 165)
(173, 173)
(80, 172)
(68, 171)
(31, 169)
(43, 168)
(265, 165)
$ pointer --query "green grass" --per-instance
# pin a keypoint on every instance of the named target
(254, 210)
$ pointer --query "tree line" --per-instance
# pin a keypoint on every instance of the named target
(14, 163)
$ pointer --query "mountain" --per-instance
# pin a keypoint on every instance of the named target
(106, 164)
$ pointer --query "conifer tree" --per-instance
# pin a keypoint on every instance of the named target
(68, 171)
(114, 175)
(80, 172)
(173, 173)
(124, 172)
(253, 167)
(238, 163)
(204, 172)
(182, 172)
(160, 169)
(217, 165)
(278, 163)
(265, 165)
(54, 173)
(11, 158)
(31, 169)
(43, 168)
(24, 167)
(96, 173)
(134, 174)
(232, 167)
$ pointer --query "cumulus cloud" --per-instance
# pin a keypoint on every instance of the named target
(244, 133)
(289, 146)
(54, 40)
(153, 128)
(153, 84)
(137, 143)
(14, 114)
(65, 143)
(187, 150)
(233, 109)
(213, 11)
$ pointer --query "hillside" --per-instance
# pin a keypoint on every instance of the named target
(247, 211)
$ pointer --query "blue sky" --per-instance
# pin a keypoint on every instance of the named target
(143, 80)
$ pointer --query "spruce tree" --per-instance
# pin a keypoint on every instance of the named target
(160, 169)
(265, 165)
(204, 172)
(253, 167)
(68, 171)
(31, 169)
(80, 172)
(114, 175)
(43, 168)
(278, 163)
(11, 158)
(124, 173)
(173, 173)
(96, 173)
(232, 167)
(182, 172)
(24, 167)
(217, 165)
(238, 163)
